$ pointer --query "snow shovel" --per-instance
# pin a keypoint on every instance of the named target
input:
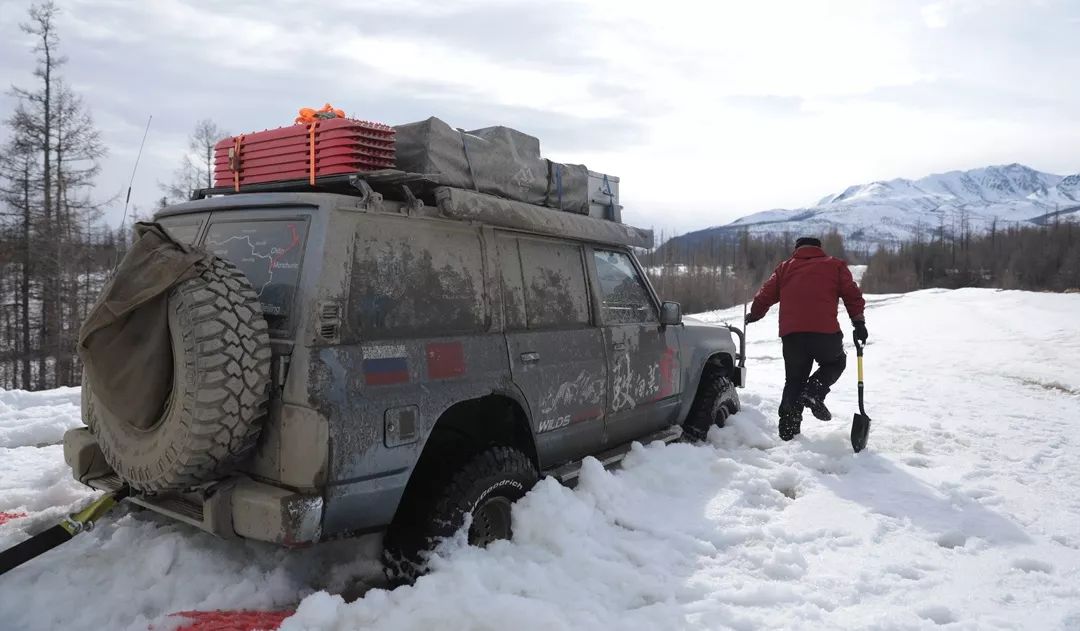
(860, 425)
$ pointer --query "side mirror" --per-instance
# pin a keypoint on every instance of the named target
(670, 314)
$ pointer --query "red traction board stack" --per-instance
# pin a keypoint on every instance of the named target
(307, 151)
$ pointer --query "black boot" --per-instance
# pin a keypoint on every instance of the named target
(790, 425)
(813, 397)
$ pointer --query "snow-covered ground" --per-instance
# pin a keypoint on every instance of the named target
(964, 512)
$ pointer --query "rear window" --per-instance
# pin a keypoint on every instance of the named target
(183, 229)
(269, 253)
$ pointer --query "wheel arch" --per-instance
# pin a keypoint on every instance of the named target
(463, 430)
(723, 358)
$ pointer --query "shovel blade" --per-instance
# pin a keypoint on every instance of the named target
(860, 432)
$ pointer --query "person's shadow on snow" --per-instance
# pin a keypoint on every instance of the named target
(950, 516)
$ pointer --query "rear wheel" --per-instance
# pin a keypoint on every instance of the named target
(484, 487)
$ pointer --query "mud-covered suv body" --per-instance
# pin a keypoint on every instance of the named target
(394, 323)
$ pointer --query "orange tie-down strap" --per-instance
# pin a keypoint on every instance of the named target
(234, 160)
(308, 114)
(311, 149)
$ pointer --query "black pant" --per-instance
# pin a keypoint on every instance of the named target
(801, 350)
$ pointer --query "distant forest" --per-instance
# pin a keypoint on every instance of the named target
(1042, 258)
(728, 270)
(725, 270)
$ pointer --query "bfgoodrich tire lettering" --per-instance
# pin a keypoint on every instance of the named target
(221, 378)
(439, 509)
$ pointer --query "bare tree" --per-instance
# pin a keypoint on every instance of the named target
(196, 169)
(202, 141)
(52, 162)
(34, 117)
(20, 183)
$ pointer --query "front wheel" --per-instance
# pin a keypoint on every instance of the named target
(485, 488)
(716, 400)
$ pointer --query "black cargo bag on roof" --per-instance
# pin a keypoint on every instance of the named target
(494, 160)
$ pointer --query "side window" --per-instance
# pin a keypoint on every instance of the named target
(554, 279)
(543, 283)
(410, 280)
(624, 298)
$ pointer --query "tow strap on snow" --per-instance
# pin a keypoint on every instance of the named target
(71, 525)
(245, 620)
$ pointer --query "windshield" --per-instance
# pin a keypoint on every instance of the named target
(269, 253)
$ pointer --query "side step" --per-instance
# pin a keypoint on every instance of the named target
(177, 506)
(568, 473)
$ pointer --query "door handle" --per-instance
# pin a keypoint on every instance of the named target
(530, 357)
(619, 346)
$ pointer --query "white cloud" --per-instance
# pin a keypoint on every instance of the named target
(706, 110)
(935, 15)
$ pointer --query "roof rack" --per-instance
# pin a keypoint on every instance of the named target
(455, 203)
(383, 181)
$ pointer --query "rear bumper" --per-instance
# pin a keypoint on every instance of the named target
(235, 507)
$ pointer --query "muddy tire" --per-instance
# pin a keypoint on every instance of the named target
(716, 399)
(484, 487)
(221, 379)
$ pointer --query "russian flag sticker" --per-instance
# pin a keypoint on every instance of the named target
(385, 365)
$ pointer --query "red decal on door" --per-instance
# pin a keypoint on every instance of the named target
(668, 373)
(587, 414)
(445, 360)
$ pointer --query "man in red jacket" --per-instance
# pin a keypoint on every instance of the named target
(808, 286)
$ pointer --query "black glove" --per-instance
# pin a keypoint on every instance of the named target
(750, 318)
(860, 331)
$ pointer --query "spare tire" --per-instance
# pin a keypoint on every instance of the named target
(220, 387)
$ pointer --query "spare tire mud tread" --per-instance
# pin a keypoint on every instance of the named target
(221, 351)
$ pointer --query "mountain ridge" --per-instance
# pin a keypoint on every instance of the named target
(886, 212)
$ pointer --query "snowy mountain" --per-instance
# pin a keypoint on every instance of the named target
(887, 212)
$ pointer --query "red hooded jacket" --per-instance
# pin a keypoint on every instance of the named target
(808, 286)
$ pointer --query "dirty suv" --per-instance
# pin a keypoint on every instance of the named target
(348, 361)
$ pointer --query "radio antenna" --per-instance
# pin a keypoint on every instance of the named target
(131, 182)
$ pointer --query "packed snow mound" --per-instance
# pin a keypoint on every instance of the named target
(37, 418)
(962, 511)
(887, 212)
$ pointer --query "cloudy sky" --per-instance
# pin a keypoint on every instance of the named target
(707, 110)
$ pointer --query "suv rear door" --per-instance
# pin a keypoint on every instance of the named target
(643, 357)
(556, 353)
